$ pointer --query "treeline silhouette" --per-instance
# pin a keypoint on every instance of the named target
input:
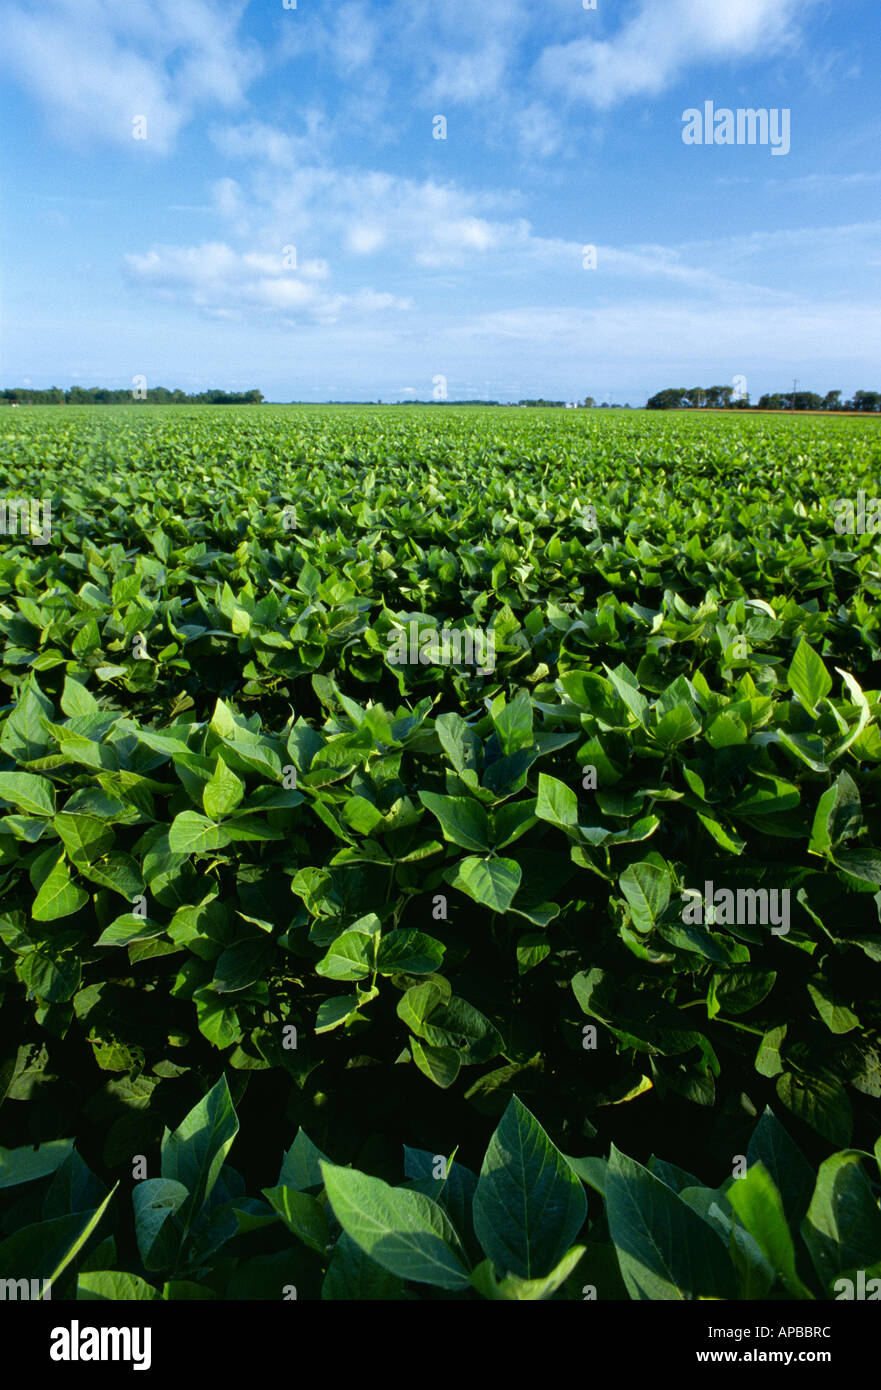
(99, 395)
(723, 398)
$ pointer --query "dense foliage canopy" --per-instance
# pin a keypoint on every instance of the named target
(249, 862)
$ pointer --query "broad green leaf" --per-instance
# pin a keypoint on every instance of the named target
(302, 1215)
(242, 964)
(58, 896)
(768, 1059)
(74, 1187)
(679, 1179)
(155, 1202)
(727, 730)
(409, 952)
(556, 802)
(419, 1001)
(332, 1013)
(34, 796)
(836, 1015)
(785, 1164)
(675, 727)
(196, 1151)
(664, 1250)
(765, 798)
(192, 833)
(301, 1166)
(646, 886)
(255, 753)
(512, 820)
(114, 1287)
(440, 1064)
(532, 949)
(838, 816)
(591, 1170)
(459, 1025)
(44, 1250)
(513, 724)
(862, 704)
(77, 700)
(864, 864)
(27, 1164)
(463, 821)
(807, 676)
(362, 815)
(217, 1018)
(627, 687)
(52, 978)
(521, 1290)
(759, 1206)
(726, 838)
(349, 958)
(128, 928)
(24, 735)
(405, 1232)
(353, 1276)
(85, 837)
(821, 1102)
(491, 882)
(739, 990)
(529, 1205)
(120, 873)
(461, 745)
(454, 1192)
(842, 1229)
(223, 793)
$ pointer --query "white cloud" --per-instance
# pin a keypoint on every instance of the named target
(466, 77)
(422, 234)
(353, 38)
(435, 56)
(346, 37)
(364, 238)
(226, 283)
(663, 38)
(539, 130)
(325, 210)
(256, 140)
(96, 64)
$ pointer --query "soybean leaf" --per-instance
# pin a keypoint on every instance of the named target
(842, 1229)
(529, 1205)
(195, 1153)
(663, 1246)
(491, 882)
(808, 677)
(759, 1206)
(463, 821)
(405, 1232)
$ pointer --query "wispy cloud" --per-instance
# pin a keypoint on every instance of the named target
(225, 283)
(95, 65)
(661, 41)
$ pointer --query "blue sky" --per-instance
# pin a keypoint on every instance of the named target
(419, 258)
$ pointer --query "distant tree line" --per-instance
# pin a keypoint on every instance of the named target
(99, 395)
(809, 400)
(723, 398)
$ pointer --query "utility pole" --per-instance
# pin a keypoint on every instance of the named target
(794, 389)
